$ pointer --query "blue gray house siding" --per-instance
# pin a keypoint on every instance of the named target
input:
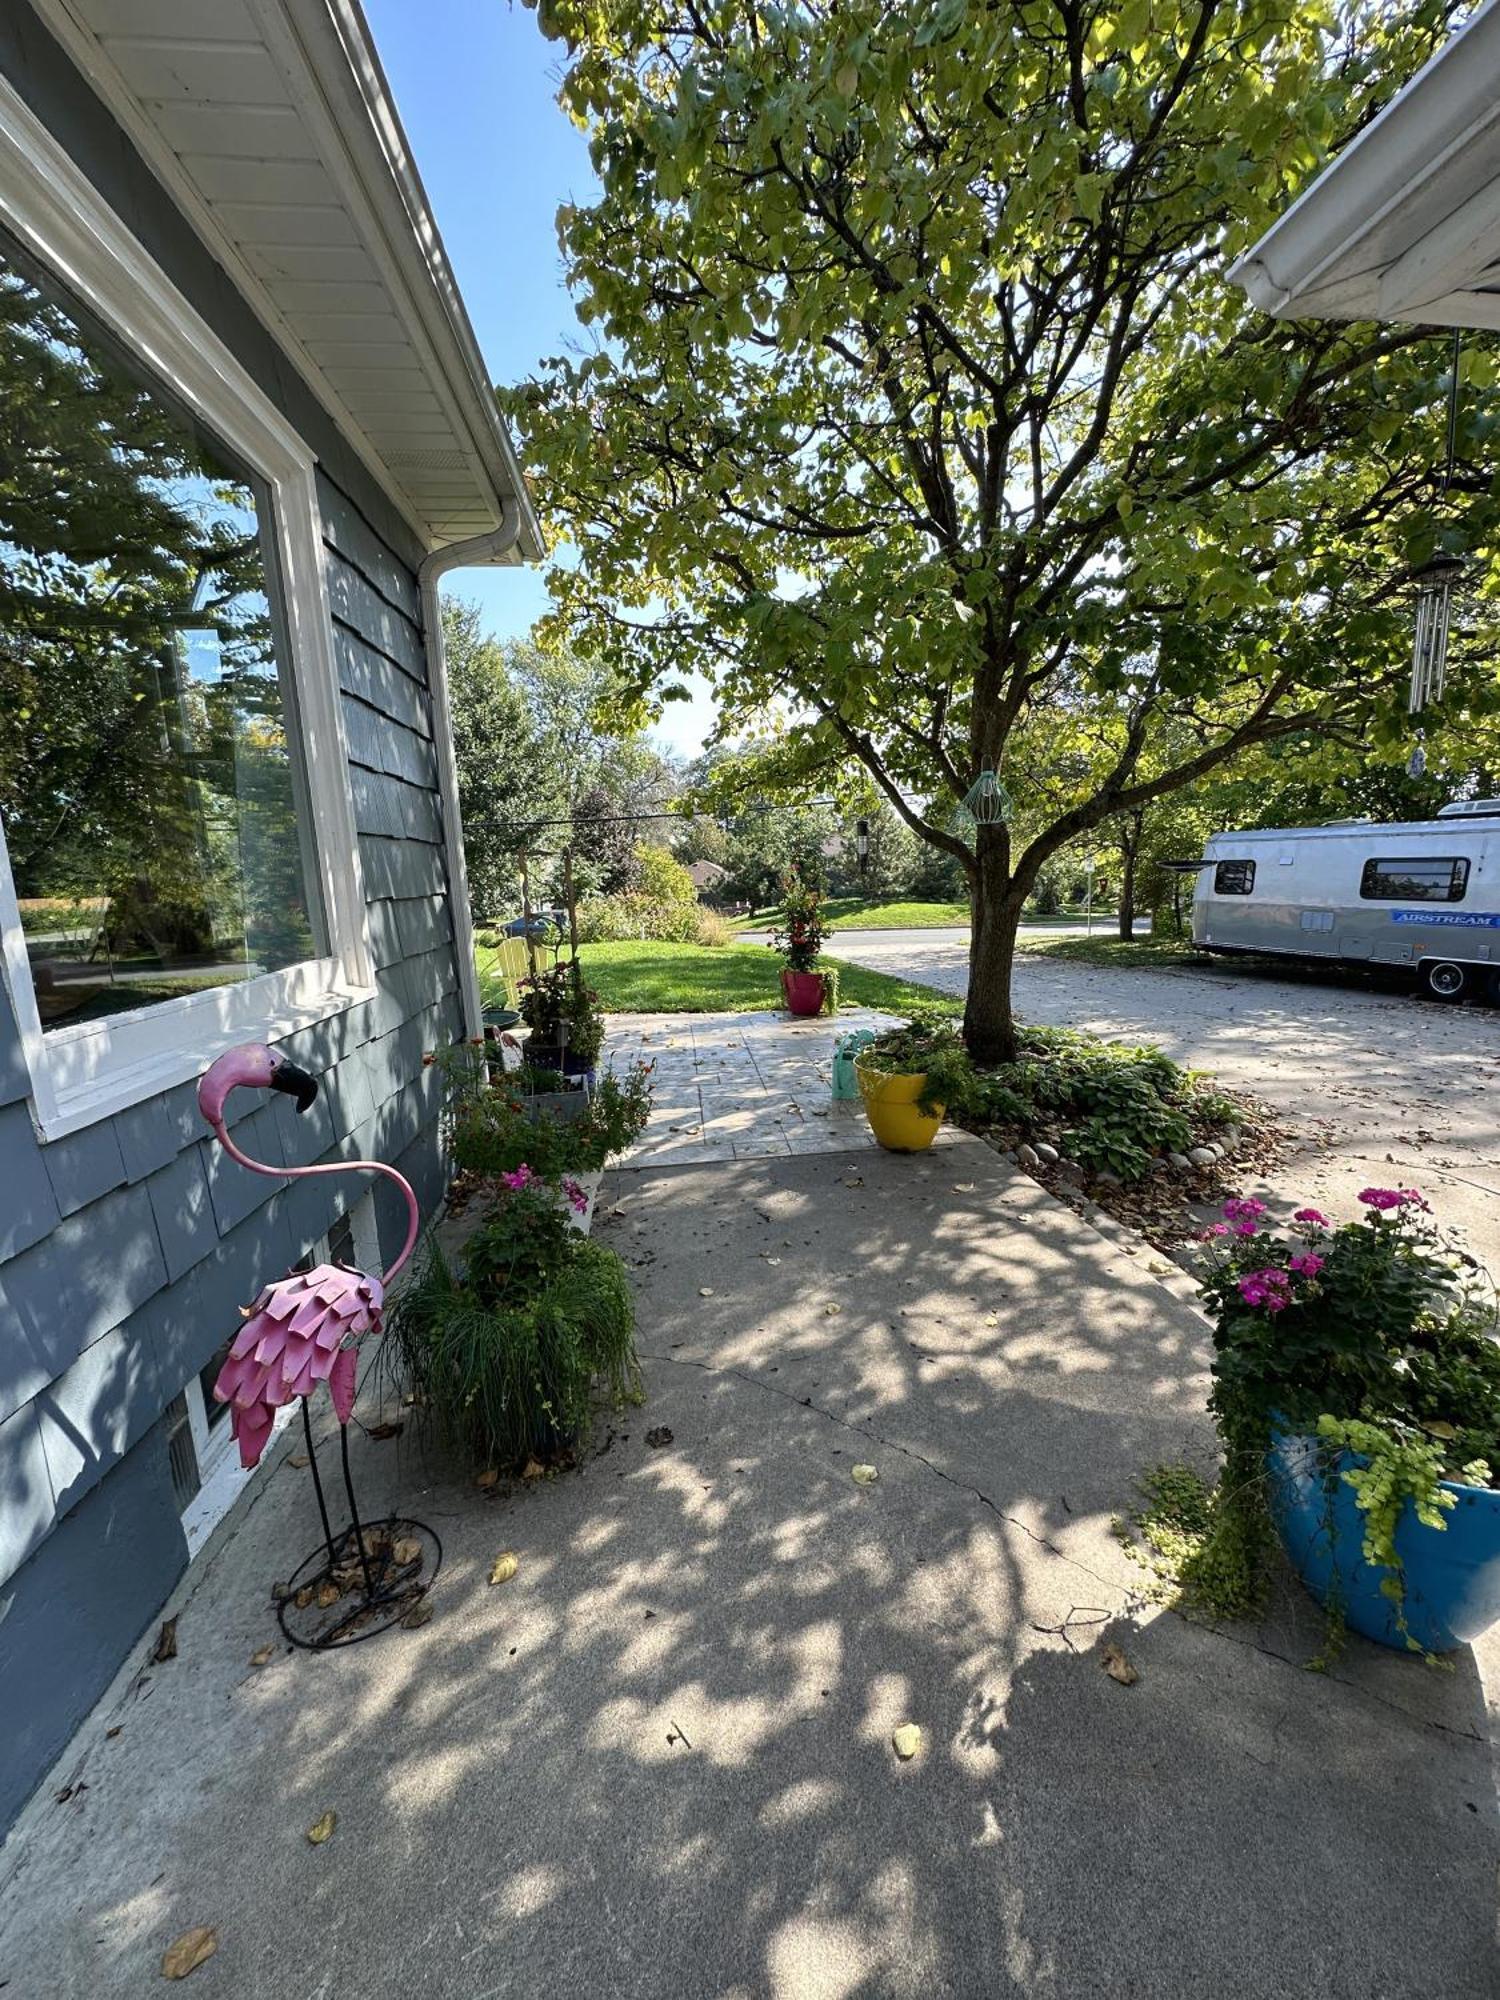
(126, 1249)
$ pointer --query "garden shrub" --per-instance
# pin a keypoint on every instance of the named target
(1114, 1107)
(636, 918)
(714, 929)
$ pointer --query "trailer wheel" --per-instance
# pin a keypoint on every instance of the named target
(1444, 980)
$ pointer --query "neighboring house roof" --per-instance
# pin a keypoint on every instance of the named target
(1405, 224)
(271, 124)
(706, 874)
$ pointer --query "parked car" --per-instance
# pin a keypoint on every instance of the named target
(1423, 895)
(543, 926)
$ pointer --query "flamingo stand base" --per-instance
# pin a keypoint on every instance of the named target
(371, 1576)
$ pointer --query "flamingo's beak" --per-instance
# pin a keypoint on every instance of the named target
(295, 1082)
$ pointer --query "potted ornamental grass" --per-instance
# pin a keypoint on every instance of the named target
(506, 1345)
(807, 987)
(910, 1078)
(1357, 1391)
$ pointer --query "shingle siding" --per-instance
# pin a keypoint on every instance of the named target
(127, 1249)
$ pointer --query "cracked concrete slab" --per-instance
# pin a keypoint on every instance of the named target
(658, 1762)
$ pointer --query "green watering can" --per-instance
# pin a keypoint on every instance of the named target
(845, 1049)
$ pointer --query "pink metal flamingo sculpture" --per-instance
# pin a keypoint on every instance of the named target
(305, 1328)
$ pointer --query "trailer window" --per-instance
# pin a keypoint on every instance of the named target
(1234, 878)
(1426, 879)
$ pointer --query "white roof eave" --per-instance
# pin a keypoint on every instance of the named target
(1406, 221)
(271, 124)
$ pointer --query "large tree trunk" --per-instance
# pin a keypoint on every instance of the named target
(989, 1024)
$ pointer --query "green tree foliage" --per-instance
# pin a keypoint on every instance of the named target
(503, 786)
(923, 410)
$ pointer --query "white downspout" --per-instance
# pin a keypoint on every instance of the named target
(474, 553)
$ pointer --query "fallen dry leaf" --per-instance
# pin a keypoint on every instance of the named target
(533, 1469)
(490, 1478)
(906, 1741)
(830, 1310)
(658, 1437)
(110, 1734)
(304, 1597)
(1117, 1666)
(264, 1657)
(297, 1458)
(328, 1594)
(380, 1432)
(504, 1567)
(407, 1550)
(188, 1952)
(166, 1643)
(705, 1291)
(864, 1475)
(322, 1829)
(418, 1615)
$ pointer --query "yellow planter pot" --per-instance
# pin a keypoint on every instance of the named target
(891, 1107)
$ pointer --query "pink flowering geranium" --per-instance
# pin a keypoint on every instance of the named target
(1244, 1211)
(575, 1194)
(521, 1177)
(1314, 1216)
(1270, 1289)
(1307, 1265)
(1386, 1199)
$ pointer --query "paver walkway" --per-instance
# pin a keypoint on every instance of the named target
(741, 1086)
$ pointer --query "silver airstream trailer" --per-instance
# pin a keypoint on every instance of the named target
(1425, 895)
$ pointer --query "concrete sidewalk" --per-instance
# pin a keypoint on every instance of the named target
(658, 1762)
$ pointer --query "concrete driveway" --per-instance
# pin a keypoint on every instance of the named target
(1382, 1087)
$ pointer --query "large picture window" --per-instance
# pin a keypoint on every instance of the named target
(149, 787)
(179, 869)
(1419, 879)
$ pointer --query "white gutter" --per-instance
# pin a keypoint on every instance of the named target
(475, 553)
(1316, 259)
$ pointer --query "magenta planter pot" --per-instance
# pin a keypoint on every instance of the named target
(803, 992)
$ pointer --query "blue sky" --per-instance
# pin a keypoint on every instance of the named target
(476, 85)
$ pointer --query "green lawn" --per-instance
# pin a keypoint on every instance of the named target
(861, 913)
(1107, 949)
(696, 979)
(864, 913)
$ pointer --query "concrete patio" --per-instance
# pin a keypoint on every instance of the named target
(659, 1763)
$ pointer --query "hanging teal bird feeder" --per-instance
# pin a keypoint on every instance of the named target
(987, 802)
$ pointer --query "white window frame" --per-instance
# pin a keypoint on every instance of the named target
(84, 1072)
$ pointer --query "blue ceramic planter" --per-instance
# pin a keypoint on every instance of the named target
(1452, 1573)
